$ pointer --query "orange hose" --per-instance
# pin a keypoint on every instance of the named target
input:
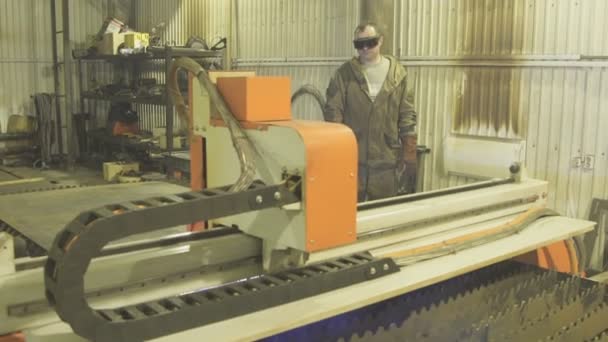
(573, 257)
(13, 337)
(468, 237)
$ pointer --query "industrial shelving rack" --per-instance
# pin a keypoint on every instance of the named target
(166, 54)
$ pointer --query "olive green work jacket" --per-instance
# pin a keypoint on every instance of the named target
(379, 125)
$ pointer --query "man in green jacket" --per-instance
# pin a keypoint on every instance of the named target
(369, 95)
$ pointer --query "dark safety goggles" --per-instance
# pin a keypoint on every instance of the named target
(368, 42)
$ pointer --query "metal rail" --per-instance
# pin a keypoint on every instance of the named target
(84, 238)
(432, 194)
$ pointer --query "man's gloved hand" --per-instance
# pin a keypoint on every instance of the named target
(408, 148)
(406, 177)
(407, 166)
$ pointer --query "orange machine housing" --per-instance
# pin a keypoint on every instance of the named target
(330, 185)
(560, 256)
(257, 99)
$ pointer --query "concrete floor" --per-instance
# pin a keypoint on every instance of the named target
(17, 182)
(79, 176)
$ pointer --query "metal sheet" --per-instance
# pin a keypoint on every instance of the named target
(41, 215)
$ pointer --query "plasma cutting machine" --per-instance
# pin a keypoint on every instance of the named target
(284, 251)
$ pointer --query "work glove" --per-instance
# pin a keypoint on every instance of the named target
(406, 177)
(407, 166)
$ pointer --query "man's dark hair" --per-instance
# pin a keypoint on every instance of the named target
(364, 25)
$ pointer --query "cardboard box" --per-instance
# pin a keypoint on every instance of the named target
(137, 40)
(111, 170)
(110, 43)
(110, 25)
(20, 124)
(256, 99)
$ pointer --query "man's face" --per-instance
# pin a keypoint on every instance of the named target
(368, 43)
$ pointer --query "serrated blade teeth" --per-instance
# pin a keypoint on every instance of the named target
(504, 302)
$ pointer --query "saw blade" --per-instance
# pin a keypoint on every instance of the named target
(421, 302)
(603, 337)
(470, 307)
(529, 304)
(396, 310)
(516, 310)
(538, 317)
(585, 328)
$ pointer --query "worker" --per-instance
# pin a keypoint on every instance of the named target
(369, 95)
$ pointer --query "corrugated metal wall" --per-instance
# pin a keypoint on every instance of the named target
(86, 18)
(491, 68)
(305, 40)
(440, 28)
(26, 60)
(177, 21)
(262, 29)
(515, 69)
(208, 19)
(562, 114)
(295, 28)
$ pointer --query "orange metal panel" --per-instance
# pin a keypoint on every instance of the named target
(197, 181)
(257, 99)
(197, 172)
(558, 256)
(197, 159)
(330, 188)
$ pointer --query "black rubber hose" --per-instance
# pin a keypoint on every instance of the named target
(310, 90)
